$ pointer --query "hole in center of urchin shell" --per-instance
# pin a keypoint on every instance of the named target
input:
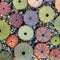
(47, 15)
(23, 53)
(11, 41)
(55, 40)
(42, 35)
(30, 18)
(0, 30)
(25, 33)
(55, 55)
(19, 1)
(42, 51)
(3, 8)
(37, 0)
(16, 20)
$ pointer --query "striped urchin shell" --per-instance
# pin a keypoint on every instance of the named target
(57, 24)
(55, 40)
(46, 14)
(55, 54)
(16, 20)
(26, 33)
(23, 51)
(35, 3)
(31, 18)
(12, 41)
(5, 8)
(5, 55)
(4, 30)
(41, 50)
(43, 34)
